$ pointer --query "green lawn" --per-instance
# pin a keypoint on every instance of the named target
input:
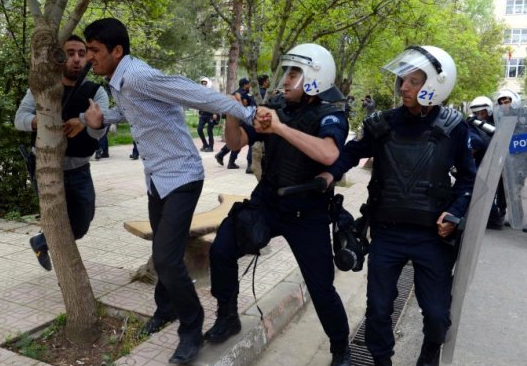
(123, 135)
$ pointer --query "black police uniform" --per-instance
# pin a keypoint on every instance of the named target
(480, 140)
(409, 189)
(206, 118)
(303, 220)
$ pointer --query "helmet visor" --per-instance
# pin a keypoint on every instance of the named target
(408, 61)
(290, 78)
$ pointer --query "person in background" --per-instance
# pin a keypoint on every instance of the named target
(207, 119)
(82, 143)
(242, 95)
(368, 104)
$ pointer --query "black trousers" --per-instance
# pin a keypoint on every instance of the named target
(309, 239)
(170, 219)
(390, 249)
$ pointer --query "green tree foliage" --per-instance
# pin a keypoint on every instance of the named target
(474, 45)
(16, 192)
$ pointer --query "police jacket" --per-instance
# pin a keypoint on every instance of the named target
(283, 164)
(412, 157)
(479, 140)
(82, 145)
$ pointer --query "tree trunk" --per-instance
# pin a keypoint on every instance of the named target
(146, 273)
(45, 82)
(234, 49)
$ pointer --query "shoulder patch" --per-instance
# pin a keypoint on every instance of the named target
(329, 120)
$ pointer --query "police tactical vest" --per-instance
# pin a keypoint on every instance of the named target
(410, 180)
(285, 165)
(82, 145)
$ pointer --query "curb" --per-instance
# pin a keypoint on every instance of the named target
(279, 306)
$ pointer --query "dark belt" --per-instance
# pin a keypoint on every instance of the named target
(78, 169)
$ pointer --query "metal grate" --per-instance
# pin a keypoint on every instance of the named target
(360, 356)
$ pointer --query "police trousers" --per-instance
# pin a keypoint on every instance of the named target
(390, 250)
(309, 240)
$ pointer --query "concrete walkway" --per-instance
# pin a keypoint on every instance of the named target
(493, 324)
(30, 297)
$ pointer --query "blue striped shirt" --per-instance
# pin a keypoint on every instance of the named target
(152, 104)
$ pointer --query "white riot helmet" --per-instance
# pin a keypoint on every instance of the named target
(480, 103)
(438, 66)
(207, 81)
(512, 95)
(318, 71)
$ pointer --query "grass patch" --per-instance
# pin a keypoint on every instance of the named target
(120, 334)
(123, 136)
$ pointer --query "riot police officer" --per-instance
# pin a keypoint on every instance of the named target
(480, 129)
(302, 135)
(209, 120)
(413, 148)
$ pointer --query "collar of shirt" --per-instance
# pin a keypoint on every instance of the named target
(117, 78)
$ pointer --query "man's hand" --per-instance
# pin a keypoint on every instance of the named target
(444, 228)
(328, 177)
(266, 120)
(72, 127)
(93, 116)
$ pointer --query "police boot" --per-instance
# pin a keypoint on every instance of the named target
(429, 354)
(227, 323)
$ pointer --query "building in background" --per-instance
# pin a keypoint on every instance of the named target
(514, 14)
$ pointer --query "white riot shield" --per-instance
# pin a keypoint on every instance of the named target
(485, 186)
(514, 173)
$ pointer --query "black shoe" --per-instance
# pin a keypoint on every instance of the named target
(342, 358)
(105, 155)
(154, 325)
(224, 327)
(232, 166)
(186, 351)
(97, 155)
(429, 356)
(42, 255)
(209, 149)
(204, 148)
(219, 158)
(134, 156)
(385, 361)
(249, 170)
(494, 225)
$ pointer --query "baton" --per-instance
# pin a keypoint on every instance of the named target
(318, 184)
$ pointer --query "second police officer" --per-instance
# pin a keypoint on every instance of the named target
(410, 192)
(299, 145)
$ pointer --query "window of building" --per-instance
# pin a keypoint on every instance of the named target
(515, 36)
(516, 7)
(515, 67)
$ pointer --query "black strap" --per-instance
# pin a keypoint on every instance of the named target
(255, 261)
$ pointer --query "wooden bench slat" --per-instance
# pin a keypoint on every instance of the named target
(202, 223)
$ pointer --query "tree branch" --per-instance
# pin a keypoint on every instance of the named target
(74, 19)
(34, 6)
(55, 13)
(220, 13)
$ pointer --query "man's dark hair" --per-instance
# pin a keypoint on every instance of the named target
(110, 32)
(76, 38)
(262, 79)
(368, 96)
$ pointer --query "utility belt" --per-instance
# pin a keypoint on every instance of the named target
(78, 169)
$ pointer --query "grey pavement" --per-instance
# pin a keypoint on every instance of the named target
(290, 334)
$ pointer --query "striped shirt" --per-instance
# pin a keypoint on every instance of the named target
(152, 104)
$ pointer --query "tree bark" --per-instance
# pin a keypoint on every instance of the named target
(47, 63)
(234, 49)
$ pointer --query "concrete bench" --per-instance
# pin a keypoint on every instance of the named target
(201, 235)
